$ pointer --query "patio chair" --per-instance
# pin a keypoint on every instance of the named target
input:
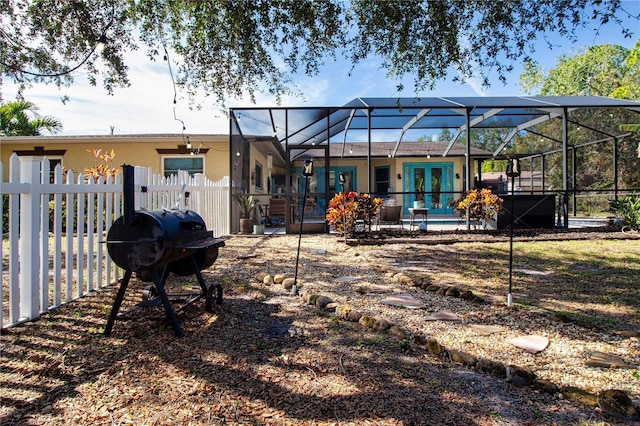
(390, 215)
(277, 208)
(309, 205)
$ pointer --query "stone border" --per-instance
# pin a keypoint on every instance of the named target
(616, 403)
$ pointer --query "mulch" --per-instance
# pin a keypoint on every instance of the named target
(263, 357)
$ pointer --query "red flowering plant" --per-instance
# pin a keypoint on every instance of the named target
(479, 206)
(345, 209)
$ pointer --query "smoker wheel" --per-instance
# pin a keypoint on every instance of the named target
(149, 292)
(208, 305)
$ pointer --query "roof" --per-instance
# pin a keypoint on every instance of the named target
(407, 119)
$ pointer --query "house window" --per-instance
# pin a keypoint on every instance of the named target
(258, 173)
(349, 175)
(382, 181)
(191, 164)
(53, 162)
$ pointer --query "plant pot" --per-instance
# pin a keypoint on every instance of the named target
(246, 226)
(258, 229)
(418, 204)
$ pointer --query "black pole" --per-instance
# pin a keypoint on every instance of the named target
(343, 181)
(509, 296)
(513, 170)
(294, 289)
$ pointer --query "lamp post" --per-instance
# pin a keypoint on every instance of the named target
(307, 171)
(513, 171)
(343, 181)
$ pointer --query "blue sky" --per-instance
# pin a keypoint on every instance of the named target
(147, 106)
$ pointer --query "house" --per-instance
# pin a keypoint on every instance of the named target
(528, 181)
(408, 175)
(416, 172)
(164, 153)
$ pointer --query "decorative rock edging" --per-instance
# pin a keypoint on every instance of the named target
(612, 401)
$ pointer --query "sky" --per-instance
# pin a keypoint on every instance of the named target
(146, 107)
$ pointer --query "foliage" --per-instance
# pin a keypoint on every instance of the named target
(345, 209)
(600, 70)
(368, 207)
(604, 70)
(103, 167)
(628, 208)
(231, 48)
(5, 214)
(420, 189)
(247, 205)
(20, 118)
(479, 205)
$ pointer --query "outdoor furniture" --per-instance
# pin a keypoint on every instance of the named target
(390, 215)
(277, 209)
(308, 208)
(309, 205)
(412, 215)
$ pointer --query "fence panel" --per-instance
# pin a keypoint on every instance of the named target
(56, 229)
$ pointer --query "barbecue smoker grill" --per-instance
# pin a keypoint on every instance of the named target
(160, 242)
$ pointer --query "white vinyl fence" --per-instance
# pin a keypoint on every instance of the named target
(55, 251)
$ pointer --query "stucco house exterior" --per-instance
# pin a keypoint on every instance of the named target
(163, 153)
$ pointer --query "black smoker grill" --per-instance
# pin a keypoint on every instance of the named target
(160, 242)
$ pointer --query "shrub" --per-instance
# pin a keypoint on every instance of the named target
(345, 209)
(103, 166)
(628, 209)
(479, 205)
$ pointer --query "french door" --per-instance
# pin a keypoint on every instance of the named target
(434, 180)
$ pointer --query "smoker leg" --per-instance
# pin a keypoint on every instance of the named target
(159, 281)
(207, 291)
(117, 303)
(196, 270)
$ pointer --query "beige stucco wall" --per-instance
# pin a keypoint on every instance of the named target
(137, 150)
(395, 168)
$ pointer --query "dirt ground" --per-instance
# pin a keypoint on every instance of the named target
(266, 357)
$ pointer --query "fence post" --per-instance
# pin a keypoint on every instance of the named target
(198, 195)
(29, 234)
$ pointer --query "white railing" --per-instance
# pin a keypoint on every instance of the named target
(46, 261)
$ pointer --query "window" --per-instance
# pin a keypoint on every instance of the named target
(258, 172)
(191, 164)
(53, 162)
(349, 175)
(382, 181)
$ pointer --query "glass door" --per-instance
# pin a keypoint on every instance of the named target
(428, 185)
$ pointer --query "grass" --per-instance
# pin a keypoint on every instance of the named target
(593, 282)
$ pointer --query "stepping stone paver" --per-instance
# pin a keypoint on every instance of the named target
(321, 264)
(605, 360)
(445, 315)
(348, 279)
(531, 343)
(404, 299)
(485, 330)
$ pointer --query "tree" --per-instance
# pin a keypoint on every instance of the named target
(231, 47)
(603, 70)
(20, 118)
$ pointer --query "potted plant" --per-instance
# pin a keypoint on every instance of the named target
(247, 206)
(418, 202)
